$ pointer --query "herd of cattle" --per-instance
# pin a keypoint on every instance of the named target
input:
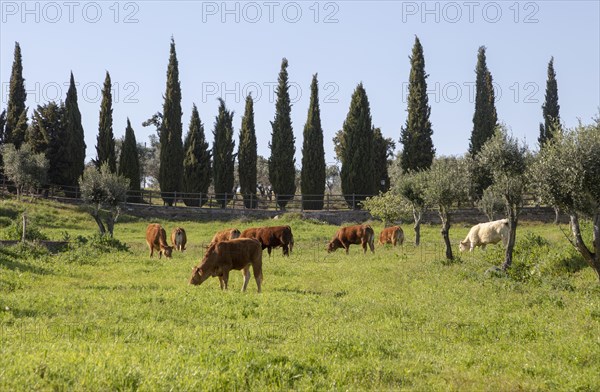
(231, 249)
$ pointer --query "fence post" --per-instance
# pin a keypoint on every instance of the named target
(353, 202)
(328, 202)
(24, 227)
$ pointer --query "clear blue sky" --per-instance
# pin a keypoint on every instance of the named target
(229, 49)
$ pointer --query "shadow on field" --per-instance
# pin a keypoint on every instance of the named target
(9, 260)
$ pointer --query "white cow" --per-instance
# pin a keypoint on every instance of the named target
(486, 233)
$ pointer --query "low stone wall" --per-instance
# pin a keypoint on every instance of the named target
(473, 216)
(467, 215)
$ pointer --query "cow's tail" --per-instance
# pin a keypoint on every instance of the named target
(371, 238)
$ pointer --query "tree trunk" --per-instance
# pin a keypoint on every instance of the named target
(110, 224)
(417, 216)
(591, 258)
(96, 215)
(446, 234)
(556, 214)
(512, 236)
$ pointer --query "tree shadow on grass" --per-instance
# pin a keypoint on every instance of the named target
(10, 258)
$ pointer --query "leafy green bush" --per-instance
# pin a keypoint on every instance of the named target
(14, 231)
(103, 244)
(537, 259)
(5, 221)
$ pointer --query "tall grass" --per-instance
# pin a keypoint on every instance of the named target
(104, 316)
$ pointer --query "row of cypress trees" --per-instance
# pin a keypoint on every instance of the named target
(55, 130)
(361, 148)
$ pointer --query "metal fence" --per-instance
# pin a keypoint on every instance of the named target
(298, 202)
(330, 202)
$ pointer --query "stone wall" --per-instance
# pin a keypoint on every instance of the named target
(472, 216)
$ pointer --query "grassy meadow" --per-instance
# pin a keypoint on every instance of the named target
(104, 316)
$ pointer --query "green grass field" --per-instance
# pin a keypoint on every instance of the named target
(98, 318)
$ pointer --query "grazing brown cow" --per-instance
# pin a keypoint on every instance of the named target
(346, 236)
(156, 238)
(391, 235)
(272, 237)
(222, 257)
(178, 238)
(225, 235)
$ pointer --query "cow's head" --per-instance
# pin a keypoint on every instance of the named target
(334, 245)
(168, 251)
(198, 276)
(235, 233)
(207, 268)
(464, 245)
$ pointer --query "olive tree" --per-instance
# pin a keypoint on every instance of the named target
(24, 168)
(508, 161)
(568, 175)
(412, 188)
(446, 184)
(388, 207)
(103, 191)
(490, 204)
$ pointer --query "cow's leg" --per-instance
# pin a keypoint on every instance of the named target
(151, 250)
(371, 246)
(257, 276)
(246, 274)
(221, 282)
(269, 250)
(346, 246)
(286, 251)
(225, 278)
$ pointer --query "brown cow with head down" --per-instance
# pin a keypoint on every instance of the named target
(156, 238)
(391, 235)
(222, 257)
(272, 237)
(346, 236)
(178, 238)
(225, 235)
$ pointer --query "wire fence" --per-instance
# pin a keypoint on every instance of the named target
(271, 201)
(297, 202)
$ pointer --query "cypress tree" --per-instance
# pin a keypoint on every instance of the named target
(358, 172)
(282, 168)
(105, 149)
(247, 156)
(74, 139)
(171, 146)
(2, 123)
(129, 164)
(383, 149)
(223, 156)
(485, 118)
(16, 113)
(57, 150)
(550, 108)
(196, 163)
(485, 121)
(47, 121)
(312, 177)
(418, 151)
